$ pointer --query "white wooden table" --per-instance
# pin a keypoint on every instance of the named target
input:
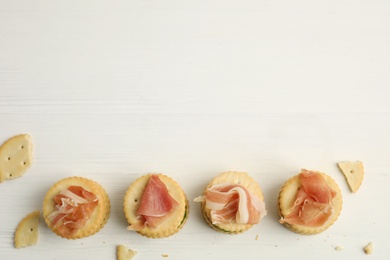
(112, 90)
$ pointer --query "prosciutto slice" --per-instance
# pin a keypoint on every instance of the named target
(232, 203)
(73, 208)
(156, 204)
(313, 203)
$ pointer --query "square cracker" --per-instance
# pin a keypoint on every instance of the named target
(15, 157)
(27, 231)
(353, 172)
(123, 253)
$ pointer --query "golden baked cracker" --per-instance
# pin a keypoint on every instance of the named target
(243, 179)
(353, 172)
(27, 231)
(174, 221)
(124, 253)
(99, 216)
(287, 197)
(15, 157)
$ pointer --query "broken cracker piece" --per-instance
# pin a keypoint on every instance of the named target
(353, 172)
(368, 248)
(124, 253)
(15, 157)
(164, 255)
(27, 231)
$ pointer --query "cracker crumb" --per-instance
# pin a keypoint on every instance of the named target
(164, 255)
(339, 248)
(124, 253)
(257, 237)
(368, 248)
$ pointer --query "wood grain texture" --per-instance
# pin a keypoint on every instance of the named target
(112, 91)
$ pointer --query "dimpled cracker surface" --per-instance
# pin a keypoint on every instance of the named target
(287, 198)
(27, 231)
(15, 157)
(353, 173)
(173, 222)
(232, 177)
(99, 216)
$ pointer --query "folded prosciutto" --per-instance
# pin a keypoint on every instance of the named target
(313, 202)
(74, 207)
(232, 203)
(156, 203)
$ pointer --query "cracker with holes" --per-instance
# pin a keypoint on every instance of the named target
(15, 157)
(353, 172)
(27, 231)
(124, 253)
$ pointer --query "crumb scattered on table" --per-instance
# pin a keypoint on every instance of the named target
(257, 237)
(368, 248)
(164, 255)
(338, 248)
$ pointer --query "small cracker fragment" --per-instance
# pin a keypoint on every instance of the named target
(368, 248)
(339, 248)
(27, 231)
(353, 172)
(165, 255)
(15, 157)
(124, 253)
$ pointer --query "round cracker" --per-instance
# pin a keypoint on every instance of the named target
(287, 197)
(99, 216)
(173, 222)
(232, 177)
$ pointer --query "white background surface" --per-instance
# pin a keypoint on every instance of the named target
(112, 90)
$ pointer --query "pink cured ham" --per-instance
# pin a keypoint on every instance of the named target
(156, 204)
(73, 208)
(233, 203)
(313, 203)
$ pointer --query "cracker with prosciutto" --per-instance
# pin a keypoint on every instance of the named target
(232, 202)
(76, 207)
(309, 202)
(155, 206)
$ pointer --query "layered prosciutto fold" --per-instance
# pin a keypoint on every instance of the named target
(313, 202)
(156, 204)
(232, 203)
(73, 208)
